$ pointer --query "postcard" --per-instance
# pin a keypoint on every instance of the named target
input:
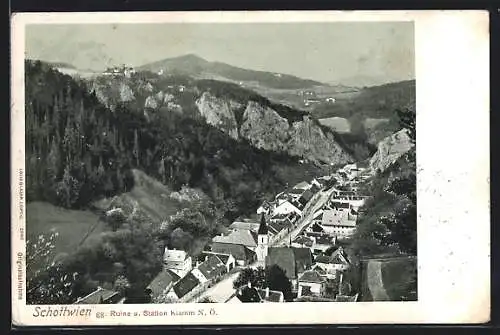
(250, 168)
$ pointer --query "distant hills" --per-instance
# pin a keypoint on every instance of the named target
(371, 102)
(200, 68)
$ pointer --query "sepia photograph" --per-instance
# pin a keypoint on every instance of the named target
(174, 163)
(218, 162)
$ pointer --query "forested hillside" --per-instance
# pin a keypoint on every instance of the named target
(78, 150)
(387, 225)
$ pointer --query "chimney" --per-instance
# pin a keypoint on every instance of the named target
(267, 292)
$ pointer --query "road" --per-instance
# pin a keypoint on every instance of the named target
(316, 203)
(375, 282)
(221, 291)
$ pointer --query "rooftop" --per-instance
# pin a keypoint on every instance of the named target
(311, 276)
(97, 297)
(244, 237)
(173, 255)
(242, 225)
(304, 241)
(186, 285)
(302, 186)
(337, 218)
(238, 251)
(274, 296)
(212, 267)
(161, 282)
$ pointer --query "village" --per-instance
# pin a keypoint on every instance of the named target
(303, 230)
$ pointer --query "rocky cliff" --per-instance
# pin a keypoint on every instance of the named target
(390, 150)
(265, 128)
(264, 125)
(219, 113)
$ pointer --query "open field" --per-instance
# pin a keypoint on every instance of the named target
(73, 226)
(338, 124)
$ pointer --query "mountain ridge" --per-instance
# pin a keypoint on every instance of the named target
(197, 66)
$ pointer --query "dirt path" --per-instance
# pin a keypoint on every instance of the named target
(375, 282)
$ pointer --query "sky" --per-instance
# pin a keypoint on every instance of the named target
(351, 53)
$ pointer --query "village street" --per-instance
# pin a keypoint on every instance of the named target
(222, 290)
(316, 203)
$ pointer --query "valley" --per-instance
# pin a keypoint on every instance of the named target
(124, 163)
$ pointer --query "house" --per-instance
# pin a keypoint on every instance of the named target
(250, 225)
(228, 259)
(161, 284)
(266, 207)
(243, 255)
(323, 242)
(287, 207)
(289, 218)
(184, 288)
(177, 261)
(302, 186)
(337, 261)
(322, 272)
(302, 241)
(279, 228)
(338, 222)
(247, 238)
(305, 197)
(100, 296)
(211, 269)
(248, 293)
(317, 182)
(293, 261)
(315, 228)
(311, 283)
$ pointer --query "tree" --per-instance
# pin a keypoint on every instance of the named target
(122, 284)
(272, 277)
(277, 280)
(135, 150)
(257, 277)
(180, 239)
(206, 300)
(407, 120)
(68, 189)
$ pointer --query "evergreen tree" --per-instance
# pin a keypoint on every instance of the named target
(68, 189)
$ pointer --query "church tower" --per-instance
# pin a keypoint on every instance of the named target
(262, 241)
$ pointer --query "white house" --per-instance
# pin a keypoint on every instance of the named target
(311, 283)
(338, 222)
(210, 270)
(228, 259)
(337, 261)
(177, 261)
(317, 183)
(302, 186)
(287, 207)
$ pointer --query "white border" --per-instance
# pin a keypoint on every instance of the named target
(452, 72)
